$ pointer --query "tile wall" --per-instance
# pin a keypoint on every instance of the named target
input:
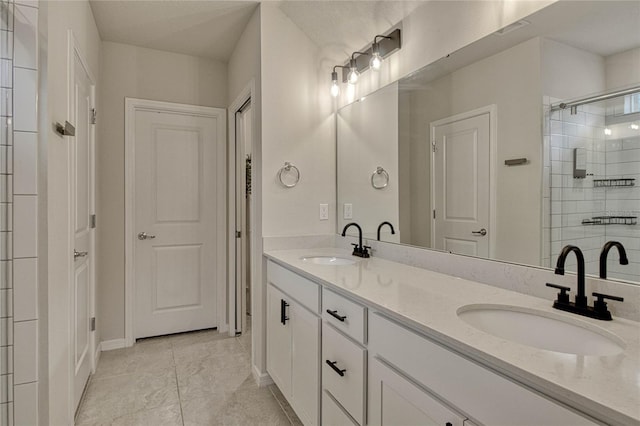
(623, 161)
(567, 201)
(18, 212)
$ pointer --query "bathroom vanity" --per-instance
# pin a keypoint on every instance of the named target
(368, 341)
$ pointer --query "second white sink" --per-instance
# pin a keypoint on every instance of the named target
(541, 330)
(329, 260)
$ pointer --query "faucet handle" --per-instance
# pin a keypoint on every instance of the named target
(563, 297)
(600, 306)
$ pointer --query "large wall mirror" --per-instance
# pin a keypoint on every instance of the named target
(474, 155)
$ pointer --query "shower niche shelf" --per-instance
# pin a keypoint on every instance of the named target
(611, 220)
(613, 183)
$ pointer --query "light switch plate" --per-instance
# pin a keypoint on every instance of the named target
(347, 212)
(324, 211)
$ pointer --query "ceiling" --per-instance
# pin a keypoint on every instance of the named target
(341, 27)
(211, 28)
(207, 29)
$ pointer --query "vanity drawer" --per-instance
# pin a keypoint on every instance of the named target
(345, 380)
(486, 396)
(333, 414)
(301, 289)
(345, 315)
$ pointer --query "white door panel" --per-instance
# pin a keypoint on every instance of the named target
(81, 199)
(461, 190)
(175, 205)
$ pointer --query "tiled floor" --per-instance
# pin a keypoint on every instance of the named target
(201, 378)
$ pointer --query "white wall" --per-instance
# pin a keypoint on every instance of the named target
(622, 69)
(511, 81)
(243, 69)
(62, 16)
(297, 126)
(129, 71)
(367, 138)
(435, 30)
(568, 72)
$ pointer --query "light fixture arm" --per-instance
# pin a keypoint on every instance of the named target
(375, 39)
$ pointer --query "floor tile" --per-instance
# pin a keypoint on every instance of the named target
(198, 378)
(113, 397)
(248, 405)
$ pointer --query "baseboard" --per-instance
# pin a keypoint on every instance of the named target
(109, 345)
(262, 379)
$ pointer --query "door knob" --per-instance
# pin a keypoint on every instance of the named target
(145, 236)
(77, 254)
(481, 232)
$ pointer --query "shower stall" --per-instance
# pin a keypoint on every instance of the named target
(592, 179)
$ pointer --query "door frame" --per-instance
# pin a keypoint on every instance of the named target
(235, 303)
(73, 51)
(492, 110)
(132, 105)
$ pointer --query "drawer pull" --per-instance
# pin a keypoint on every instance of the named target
(283, 313)
(332, 364)
(336, 316)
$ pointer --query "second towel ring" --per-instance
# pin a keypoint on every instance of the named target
(285, 169)
(380, 171)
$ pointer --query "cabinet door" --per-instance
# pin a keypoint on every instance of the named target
(396, 401)
(305, 393)
(279, 339)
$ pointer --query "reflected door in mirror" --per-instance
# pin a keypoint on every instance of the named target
(461, 184)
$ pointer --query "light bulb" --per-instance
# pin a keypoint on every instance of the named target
(353, 75)
(376, 62)
(335, 89)
(352, 78)
(376, 59)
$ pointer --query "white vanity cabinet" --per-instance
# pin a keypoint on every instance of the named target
(409, 367)
(293, 340)
(341, 362)
(396, 400)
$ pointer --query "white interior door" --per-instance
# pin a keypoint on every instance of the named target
(81, 209)
(175, 221)
(461, 192)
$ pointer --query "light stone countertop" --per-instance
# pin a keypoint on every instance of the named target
(605, 387)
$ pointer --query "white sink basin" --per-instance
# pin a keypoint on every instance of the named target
(541, 330)
(329, 260)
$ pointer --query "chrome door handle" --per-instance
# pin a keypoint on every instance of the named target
(481, 232)
(77, 254)
(145, 236)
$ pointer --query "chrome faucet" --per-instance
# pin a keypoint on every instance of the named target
(393, 232)
(580, 307)
(359, 249)
(605, 252)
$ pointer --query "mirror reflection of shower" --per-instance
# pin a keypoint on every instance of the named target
(593, 170)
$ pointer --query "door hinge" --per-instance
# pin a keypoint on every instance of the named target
(92, 221)
(238, 234)
(93, 115)
(434, 214)
(433, 145)
(92, 324)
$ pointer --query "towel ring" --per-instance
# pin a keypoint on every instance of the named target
(380, 172)
(285, 169)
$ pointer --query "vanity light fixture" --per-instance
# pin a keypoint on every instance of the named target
(376, 58)
(383, 46)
